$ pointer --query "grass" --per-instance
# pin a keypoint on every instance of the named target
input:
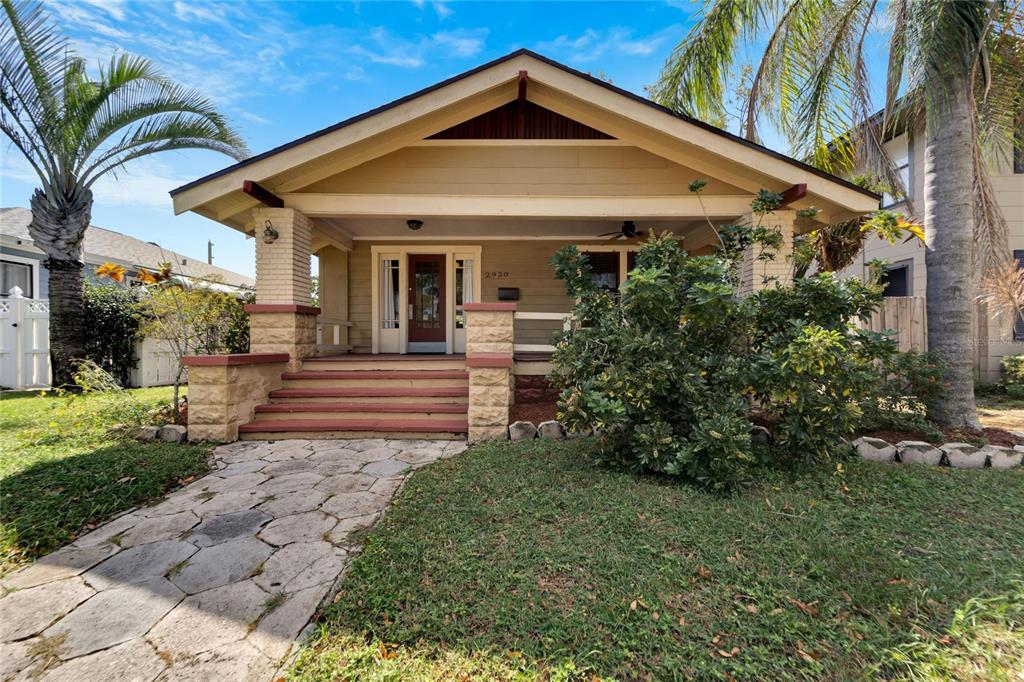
(521, 562)
(65, 466)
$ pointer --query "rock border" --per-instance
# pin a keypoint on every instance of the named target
(956, 455)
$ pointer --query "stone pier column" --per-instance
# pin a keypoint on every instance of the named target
(489, 332)
(758, 274)
(282, 319)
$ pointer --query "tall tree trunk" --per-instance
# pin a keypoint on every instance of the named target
(949, 232)
(58, 227)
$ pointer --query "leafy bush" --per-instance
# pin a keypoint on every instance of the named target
(111, 316)
(1013, 367)
(673, 369)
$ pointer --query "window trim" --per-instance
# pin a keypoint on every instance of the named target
(908, 264)
(34, 267)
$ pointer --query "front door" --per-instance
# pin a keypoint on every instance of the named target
(427, 330)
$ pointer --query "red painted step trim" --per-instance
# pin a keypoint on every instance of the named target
(366, 392)
(233, 359)
(387, 357)
(421, 408)
(378, 374)
(379, 425)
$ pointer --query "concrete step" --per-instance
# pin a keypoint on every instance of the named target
(362, 411)
(381, 395)
(353, 428)
(385, 362)
(376, 378)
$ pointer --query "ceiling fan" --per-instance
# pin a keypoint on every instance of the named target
(627, 231)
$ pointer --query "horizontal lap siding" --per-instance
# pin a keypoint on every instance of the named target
(549, 171)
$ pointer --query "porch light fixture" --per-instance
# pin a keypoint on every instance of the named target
(269, 233)
(414, 224)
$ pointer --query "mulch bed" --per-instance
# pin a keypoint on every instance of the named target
(531, 412)
(993, 436)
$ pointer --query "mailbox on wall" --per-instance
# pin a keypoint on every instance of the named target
(508, 293)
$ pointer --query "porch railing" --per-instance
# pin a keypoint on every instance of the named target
(332, 334)
(531, 328)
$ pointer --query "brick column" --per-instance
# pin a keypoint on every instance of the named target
(753, 272)
(224, 390)
(282, 319)
(489, 362)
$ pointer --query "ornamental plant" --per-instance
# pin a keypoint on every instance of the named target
(675, 369)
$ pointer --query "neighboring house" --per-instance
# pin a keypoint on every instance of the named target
(21, 263)
(24, 337)
(434, 219)
(905, 272)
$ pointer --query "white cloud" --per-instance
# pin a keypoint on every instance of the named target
(115, 8)
(593, 44)
(442, 9)
(393, 58)
(462, 42)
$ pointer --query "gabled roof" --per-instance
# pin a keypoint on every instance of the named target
(768, 155)
(103, 244)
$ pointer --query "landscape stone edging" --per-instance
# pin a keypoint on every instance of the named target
(956, 455)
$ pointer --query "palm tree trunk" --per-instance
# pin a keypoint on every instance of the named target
(58, 227)
(949, 230)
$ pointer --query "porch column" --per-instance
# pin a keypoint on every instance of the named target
(282, 319)
(489, 330)
(333, 279)
(759, 274)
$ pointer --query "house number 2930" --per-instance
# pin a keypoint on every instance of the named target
(496, 274)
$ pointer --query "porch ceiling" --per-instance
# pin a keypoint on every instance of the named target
(474, 229)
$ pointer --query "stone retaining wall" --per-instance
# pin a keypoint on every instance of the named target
(958, 455)
(224, 390)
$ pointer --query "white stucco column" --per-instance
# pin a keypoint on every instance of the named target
(757, 274)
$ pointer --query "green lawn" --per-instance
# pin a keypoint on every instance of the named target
(64, 466)
(524, 562)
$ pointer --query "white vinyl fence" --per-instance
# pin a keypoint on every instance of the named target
(24, 341)
(25, 348)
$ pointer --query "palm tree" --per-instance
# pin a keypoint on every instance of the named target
(74, 128)
(956, 62)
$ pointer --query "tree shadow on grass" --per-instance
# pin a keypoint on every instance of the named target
(51, 502)
(524, 553)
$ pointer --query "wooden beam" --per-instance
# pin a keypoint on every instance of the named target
(521, 106)
(323, 205)
(794, 193)
(262, 194)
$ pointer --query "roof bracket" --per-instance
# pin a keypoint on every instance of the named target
(262, 194)
(793, 194)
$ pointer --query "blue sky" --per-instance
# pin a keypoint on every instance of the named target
(281, 70)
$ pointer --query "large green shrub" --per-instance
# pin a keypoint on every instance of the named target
(112, 323)
(675, 368)
(1013, 368)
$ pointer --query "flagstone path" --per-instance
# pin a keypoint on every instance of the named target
(216, 581)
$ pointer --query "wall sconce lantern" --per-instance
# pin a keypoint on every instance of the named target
(414, 224)
(269, 233)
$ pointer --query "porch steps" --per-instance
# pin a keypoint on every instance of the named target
(367, 396)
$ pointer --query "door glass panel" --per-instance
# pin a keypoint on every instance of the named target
(389, 293)
(463, 289)
(427, 302)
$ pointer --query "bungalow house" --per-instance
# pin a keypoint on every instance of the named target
(434, 218)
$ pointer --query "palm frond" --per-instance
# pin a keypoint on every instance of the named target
(695, 77)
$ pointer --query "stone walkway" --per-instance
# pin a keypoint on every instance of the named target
(216, 581)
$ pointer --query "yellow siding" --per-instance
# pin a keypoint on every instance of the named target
(520, 170)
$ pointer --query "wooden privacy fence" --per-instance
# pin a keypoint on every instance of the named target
(904, 315)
